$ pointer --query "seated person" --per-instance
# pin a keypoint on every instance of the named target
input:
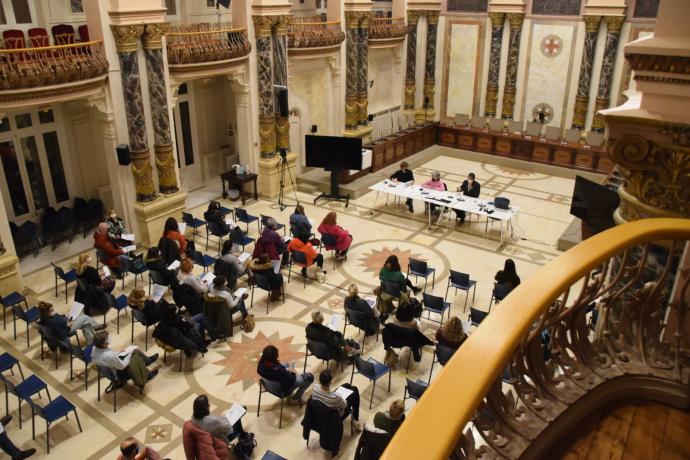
(91, 276)
(6, 444)
(61, 327)
(302, 244)
(354, 302)
(116, 228)
(338, 347)
(404, 332)
(138, 300)
(322, 392)
(226, 255)
(508, 277)
(102, 242)
(219, 289)
(215, 215)
(391, 271)
(132, 449)
(270, 368)
(469, 187)
(405, 316)
(299, 223)
(216, 425)
(435, 183)
(271, 243)
(391, 420)
(404, 175)
(173, 330)
(263, 266)
(133, 364)
(171, 231)
(154, 262)
(185, 276)
(451, 334)
(343, 239)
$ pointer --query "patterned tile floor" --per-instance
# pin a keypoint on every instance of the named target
(227, 372)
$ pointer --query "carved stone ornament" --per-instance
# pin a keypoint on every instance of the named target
(165, 165)
(658, 175)
(516, 20)
(592, 23)
(614, 24)
(2, 248)
(658, 63)
(352, 19)
(126, 37)
(143, 180)
(497, 19)
(263, 25)
(432, 17)
(413, 17)
(280, 26)
(153, 35)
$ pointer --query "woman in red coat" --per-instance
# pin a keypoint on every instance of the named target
(172, 232)
(343, 239)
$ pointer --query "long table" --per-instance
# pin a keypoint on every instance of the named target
(450, 200)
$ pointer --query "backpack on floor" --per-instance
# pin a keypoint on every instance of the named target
(244, 446)
(248, 323)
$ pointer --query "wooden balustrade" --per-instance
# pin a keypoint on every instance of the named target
(383, 28)
(314, 34)
(51, 65)
(198, 43)
(604, 321)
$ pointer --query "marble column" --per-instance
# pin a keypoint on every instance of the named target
(613, 30)
(352, 19)
(430, 61)
(280, 79)
(126, 39)
(363, 71)
(410, 68)
(510, 86)
(585, 79)
(158, 97)
(267, 123)
(497, 20)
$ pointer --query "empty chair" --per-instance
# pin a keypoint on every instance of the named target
(261, 281)
(533, 129)
(67, 277)
(83, 33)
(477, 316)
(193, 222)
(9, 301)
(372, 370)
(241, 215)
(204, 260)
(419, 268)
(461, 119)
(7, 363)
(63, 34)
(442, 354)
(239, 238)
(14, 39)
(414, 390)
(26, 238)
(572, 135)
(265, 218)
(515, 127)
(552, 133)
(274, 388)
(435, 304)
(28, 316)
(594, 139)
(84, 355)
(461, 281)
(25, 390)
(318, 349)
(496, 124)
(53, 411)
(478, 122)
(358, 320)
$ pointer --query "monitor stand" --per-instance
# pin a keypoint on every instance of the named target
(334, 195)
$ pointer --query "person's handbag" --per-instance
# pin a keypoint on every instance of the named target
(248, 323)
(244, 446)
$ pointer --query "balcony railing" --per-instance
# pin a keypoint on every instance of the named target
(51, 65)
(313, 32)
(200, 43)
(384, 28)
(604, 321)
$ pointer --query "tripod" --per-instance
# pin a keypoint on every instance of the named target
(283, 165)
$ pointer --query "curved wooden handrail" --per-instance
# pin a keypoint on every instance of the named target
(387, 19)
(205, 32)
(52, 47)
(321, 23)
(450, 402)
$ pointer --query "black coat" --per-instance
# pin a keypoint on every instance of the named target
(326, 421)
(467, 191)
(362, 306)
(397, 337)
(371, 445)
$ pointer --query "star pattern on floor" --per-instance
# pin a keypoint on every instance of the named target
(374, 260)
(158, 433)
(241, 358)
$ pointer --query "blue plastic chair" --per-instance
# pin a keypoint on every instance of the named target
(113, 378)
(203, 260)
(477, 316)
(319, 350)
(329, 242)
(264, 218)
(435, 304)
(241, 215)
(419, 268)
(274, 388)
(84, 355)
(129, 267)
(414, 390)
(28, 316)
(192, 222)
(461, 281)
(53, 342)
(300, 259)
(442, 354)
(24, 391)
(261, 282)
(215, 229)
(67, 277)
(9, 301)
(53, 411)
(373, 370)
(238, 237)
(358, 320)
(120, 304)
(138, 316)
(7, 363)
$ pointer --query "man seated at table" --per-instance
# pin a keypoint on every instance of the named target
(404, 175)
(469, 187)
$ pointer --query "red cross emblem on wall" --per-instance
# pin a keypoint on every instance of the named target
(551, 45)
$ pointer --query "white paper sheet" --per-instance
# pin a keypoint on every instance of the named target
(208, 278)
(334, 323)
(106, 271)
(240, 292)
(127, 236)
(129, 248)
(127, 351)
(182, 227)
(174, 264)
(235, 413)
(371, 301)
(243, 257)
(158, 292)
(343, 392)
(75, 311)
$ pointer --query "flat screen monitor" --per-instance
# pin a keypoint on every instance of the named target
(332, 152)
(594, 204)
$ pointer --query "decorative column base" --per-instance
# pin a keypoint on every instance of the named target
(351, 115)
(508, 103)
(491, 100)
(282, 133)
(269, 175)
(143, 179)
(151, 216)
(267, 135)
(598, 121)
(409, 94)
(362, 109)
(10, 279)
(580, 112)
(165, 164)
(423, 116)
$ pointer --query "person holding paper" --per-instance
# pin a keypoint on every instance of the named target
(299, 223)
(218, 425)
(185, 276)
(354, 302)
(175, 331)
(138, 300)
(271, 368)
(263, 265)
(404, 175)
(235, 303)
(271, 243)
(338, 347)
(116, 227)
(234, 268)
(7, 446)
(171, 231)
(215, 215)
(343, 239)
(469, 187)
(113, 254)
(154, 262)
(92, 277)
(62, 327)
(131, 362)
(391, 420)
(344, 405)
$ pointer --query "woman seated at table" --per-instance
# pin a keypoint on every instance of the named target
(171, 231)
(354, 302)
(435, 183)
(263, 266)
(343, 239)
(451, 334)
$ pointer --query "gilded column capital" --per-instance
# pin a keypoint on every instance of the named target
(280, 26)
(614, 24)
(153, 35)
(432, 17)
(352, 19)
(497, 19)
(364, 20)
(516, 20)
(126, 37)
(413, 17)
(592, 23)
(263, 25)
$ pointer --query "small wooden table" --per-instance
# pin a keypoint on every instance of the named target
(238, 181)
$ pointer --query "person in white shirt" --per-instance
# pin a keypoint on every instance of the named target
(134, 363)
(219, 289)
(322, 392)
(185, 276)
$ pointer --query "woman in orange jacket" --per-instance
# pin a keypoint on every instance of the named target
(302, 244)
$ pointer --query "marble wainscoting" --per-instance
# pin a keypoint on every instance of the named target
(462, 52)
